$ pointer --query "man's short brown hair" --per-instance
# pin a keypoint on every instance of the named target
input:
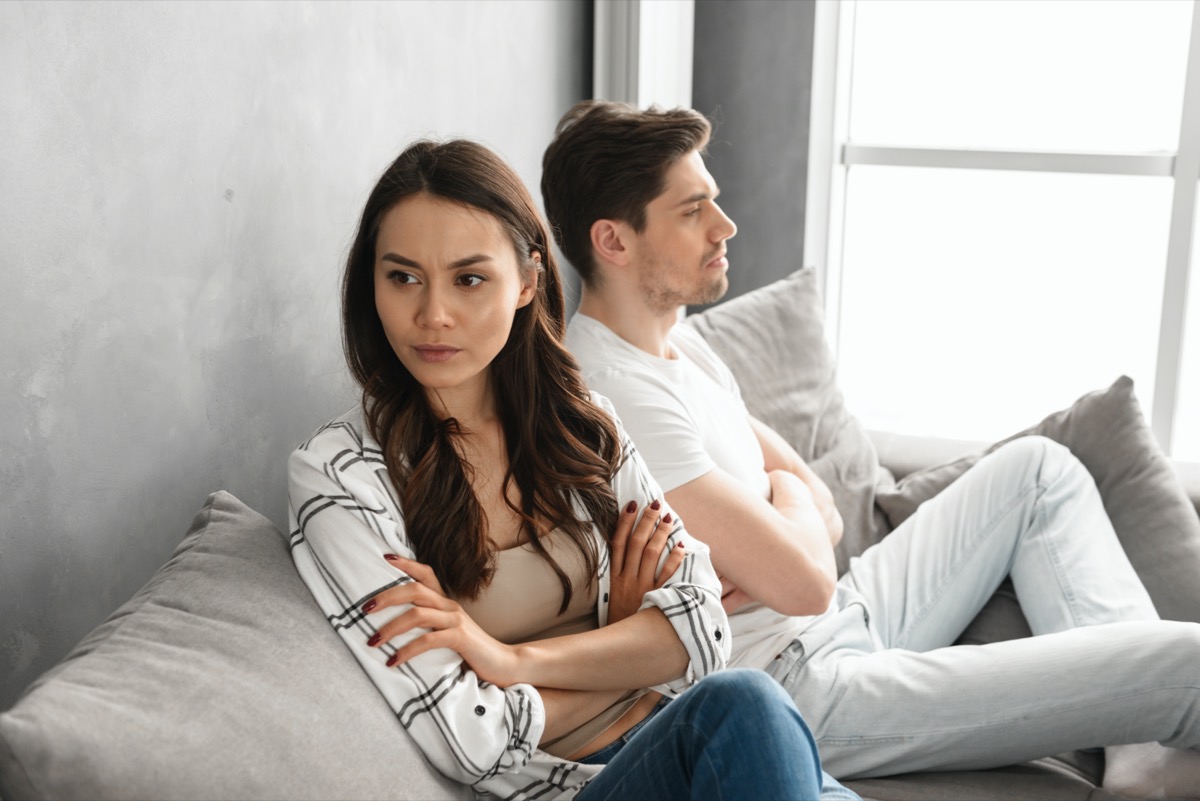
(607, 162)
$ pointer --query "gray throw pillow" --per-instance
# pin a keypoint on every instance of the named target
(1148, 506)
(773, 340)
(219, 679)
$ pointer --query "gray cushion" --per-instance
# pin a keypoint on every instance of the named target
(1148, 506)
(219, 679)
(773, 340)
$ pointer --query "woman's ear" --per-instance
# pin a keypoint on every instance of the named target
(531, 285)
(609, 244)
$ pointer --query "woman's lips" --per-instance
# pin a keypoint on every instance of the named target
(435, 353)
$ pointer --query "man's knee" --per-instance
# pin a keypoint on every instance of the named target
(1039, 456)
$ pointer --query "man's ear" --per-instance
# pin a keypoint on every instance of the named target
(610, 241)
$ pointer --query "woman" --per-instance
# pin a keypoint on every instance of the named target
(457, 529)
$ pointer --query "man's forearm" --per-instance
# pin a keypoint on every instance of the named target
(794, 500)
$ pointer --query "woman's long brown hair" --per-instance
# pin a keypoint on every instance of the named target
(561, 446)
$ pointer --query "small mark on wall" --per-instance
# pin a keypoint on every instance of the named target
(229, 195)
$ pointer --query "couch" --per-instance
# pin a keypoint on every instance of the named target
(221, 679)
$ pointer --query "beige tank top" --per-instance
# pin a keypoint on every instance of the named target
(521, 605)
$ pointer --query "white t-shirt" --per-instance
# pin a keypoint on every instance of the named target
(686, 416)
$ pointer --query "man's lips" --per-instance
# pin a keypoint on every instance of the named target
(435, 353)
(718, 261)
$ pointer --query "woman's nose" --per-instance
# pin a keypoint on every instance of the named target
(434, 312)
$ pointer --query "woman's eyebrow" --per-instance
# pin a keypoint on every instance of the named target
(457, 264)
(468, 261)
(398, 259)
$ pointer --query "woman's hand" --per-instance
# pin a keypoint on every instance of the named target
(449, 626)
(635, 554)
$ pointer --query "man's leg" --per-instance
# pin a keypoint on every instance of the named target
(880, 712)
(1030, 509)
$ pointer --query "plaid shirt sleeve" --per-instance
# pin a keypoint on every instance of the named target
(344, 516)
(691, 597)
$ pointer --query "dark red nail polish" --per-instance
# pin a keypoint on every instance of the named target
(393, 659)
(655, 505)
(631, 507)
(667, 517)
(374, 639)
(679, 544)
(369, 605)
(391, 557)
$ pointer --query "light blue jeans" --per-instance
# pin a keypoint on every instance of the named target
(735, 735)
(884, 694)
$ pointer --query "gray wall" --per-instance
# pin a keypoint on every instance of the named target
(180, 184)
(752, 76)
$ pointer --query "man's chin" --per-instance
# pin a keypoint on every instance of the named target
(713, 292)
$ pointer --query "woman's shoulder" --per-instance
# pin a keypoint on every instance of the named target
(344, 435)
(604, 403)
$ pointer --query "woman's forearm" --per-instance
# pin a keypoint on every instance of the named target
(640, 651)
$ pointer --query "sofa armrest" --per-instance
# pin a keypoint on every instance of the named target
(1189, 476)
(903, 454)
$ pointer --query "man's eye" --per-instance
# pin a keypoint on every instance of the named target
(692, 212)
(470, 280)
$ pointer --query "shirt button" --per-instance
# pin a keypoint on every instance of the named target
(479, 710)
(717, 634)
(606, 597)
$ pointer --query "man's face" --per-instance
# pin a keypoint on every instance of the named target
(680, 254)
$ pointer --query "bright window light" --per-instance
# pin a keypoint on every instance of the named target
(1001, 74)
(1187, 414)
(975, 302)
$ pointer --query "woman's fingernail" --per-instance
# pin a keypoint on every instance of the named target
(393, 659)
(679, 544)
(631, 507)
(667, 517)
(391, 557)
(374, 639)
(655, 505)
(369, 605)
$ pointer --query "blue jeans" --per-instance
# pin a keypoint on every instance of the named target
(735, 735)
(883, 692)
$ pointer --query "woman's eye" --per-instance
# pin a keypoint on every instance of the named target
(470, 280)
(401, 277)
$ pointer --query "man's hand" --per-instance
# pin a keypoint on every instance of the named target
(733, 597)
(823, 499)
(779, 455)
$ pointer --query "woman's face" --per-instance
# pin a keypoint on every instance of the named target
(447, 285)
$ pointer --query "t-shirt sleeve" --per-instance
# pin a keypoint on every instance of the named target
(655, 418)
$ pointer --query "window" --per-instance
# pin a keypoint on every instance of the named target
(1004, 198)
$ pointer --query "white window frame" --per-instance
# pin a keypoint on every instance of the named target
(642, 52)
(832, 154)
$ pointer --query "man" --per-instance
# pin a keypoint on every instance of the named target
(866, 656)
